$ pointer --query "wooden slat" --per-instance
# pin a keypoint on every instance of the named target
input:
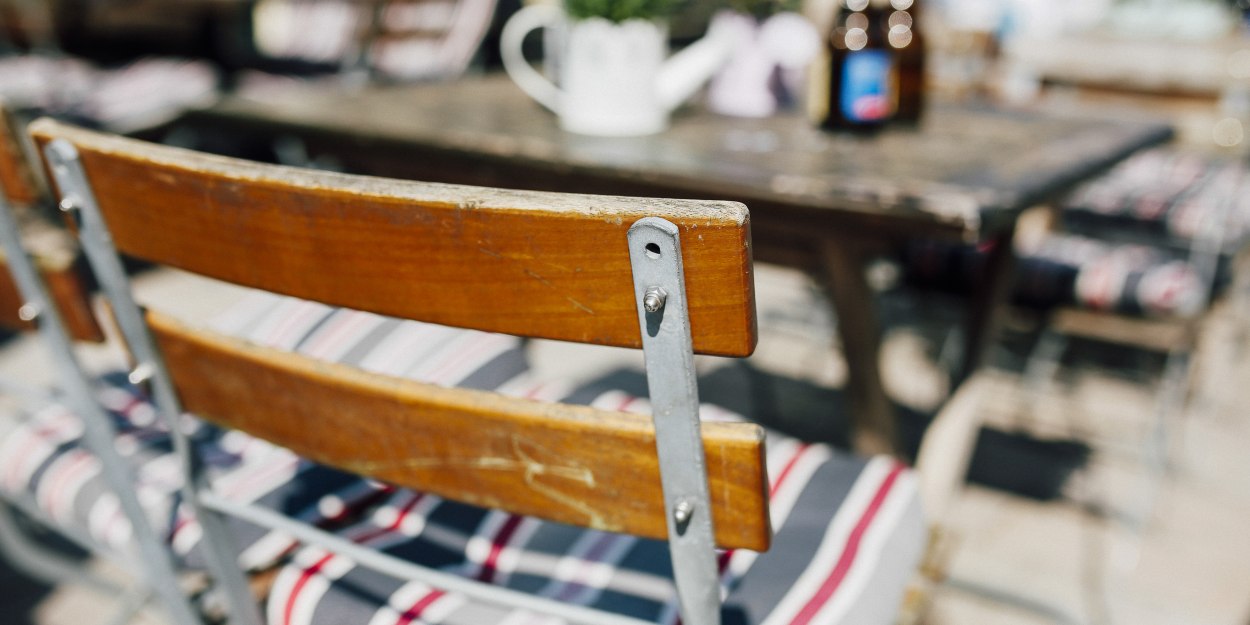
(526, 263)
(571, 464)
(70, 294)
(1162, 335)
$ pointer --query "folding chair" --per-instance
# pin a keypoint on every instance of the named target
(520, 508)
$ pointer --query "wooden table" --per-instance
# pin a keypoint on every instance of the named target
(825, 203)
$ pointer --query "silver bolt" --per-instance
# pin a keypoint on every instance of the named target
(67, 205)
(28, 312)
(141, 374)
(682, 511)
(653, 299)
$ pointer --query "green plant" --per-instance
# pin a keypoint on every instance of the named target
(620, 10)
(763, 8)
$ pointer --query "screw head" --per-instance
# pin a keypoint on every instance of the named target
(28, 312)
(141, 374)
(67, 204)
(683, 511)
(653, 299)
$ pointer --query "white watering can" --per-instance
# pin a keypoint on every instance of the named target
(614, 78)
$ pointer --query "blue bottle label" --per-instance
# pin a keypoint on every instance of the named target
(868, 86)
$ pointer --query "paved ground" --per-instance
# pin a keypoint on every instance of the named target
(1112, 549)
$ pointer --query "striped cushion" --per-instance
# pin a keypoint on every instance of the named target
(849, 536)
(1072, 270)
(42, 457)
(320, 495)
(1165, 196)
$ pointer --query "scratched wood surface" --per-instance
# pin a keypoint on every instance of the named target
(571, 464)
(532, 264)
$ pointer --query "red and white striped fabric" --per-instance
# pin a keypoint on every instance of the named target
(849, 537)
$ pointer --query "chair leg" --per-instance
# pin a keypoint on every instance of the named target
(1171, 404)
(1042, 369)
(222, 559)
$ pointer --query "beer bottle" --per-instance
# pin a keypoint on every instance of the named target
(862, 90)
(904, 36)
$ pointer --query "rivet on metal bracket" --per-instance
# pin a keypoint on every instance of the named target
(683, 511)
(653, 299)
(141, 373)
(67, 205)
(28, 312)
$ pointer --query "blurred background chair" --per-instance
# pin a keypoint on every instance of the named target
(1126, 268)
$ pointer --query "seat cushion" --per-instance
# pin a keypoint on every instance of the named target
(849, 535)
(1166, 197)
(43, 458)
(1072, 270)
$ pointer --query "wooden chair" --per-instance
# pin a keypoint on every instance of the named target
(556, 481)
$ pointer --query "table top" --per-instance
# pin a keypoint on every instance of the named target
(966, 171)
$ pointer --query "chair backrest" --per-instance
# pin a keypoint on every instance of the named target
(671, 276)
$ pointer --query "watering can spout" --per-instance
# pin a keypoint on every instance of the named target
(686, 71)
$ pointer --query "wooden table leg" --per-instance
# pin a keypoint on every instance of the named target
(986, 306)
(873, 423)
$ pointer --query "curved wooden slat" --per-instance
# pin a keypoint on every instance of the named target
(525, 263)
(571, 464)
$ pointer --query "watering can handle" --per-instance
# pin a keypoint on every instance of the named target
(519, 69)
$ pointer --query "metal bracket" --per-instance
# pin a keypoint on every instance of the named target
(660, 297)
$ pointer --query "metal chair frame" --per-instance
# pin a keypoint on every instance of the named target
(75, 390)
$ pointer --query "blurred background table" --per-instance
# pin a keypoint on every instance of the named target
(822, 202)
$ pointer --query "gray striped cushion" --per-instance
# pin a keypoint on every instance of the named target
(850, 534)
(419, 351)
(42, 458)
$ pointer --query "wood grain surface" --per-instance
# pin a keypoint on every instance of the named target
(571, 464)
(70, 292)
(17, 181)
(527, 263)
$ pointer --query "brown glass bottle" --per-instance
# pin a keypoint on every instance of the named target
(863, 69)
(904, 34)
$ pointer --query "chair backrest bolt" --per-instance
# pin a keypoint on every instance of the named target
(28, 312)
(683, 511)
(653, 299)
